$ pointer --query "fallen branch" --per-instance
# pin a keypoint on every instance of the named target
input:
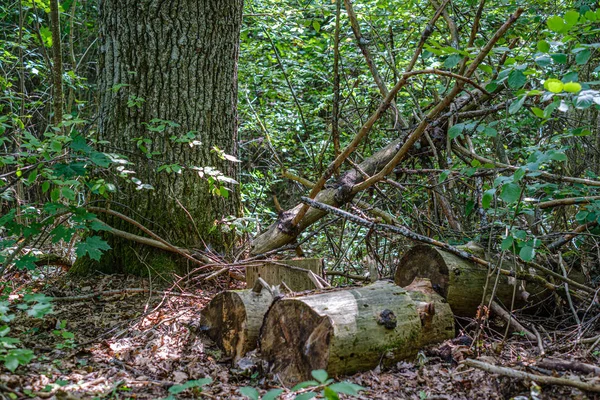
(563, 365)
(95, 295)
(424, 239)
(513, 373)
(511, 320)
(558, 243)
(163, 243)
(567, 202)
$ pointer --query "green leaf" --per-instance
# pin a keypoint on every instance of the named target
(583, 56)
(516, 105)
(249, 392)
(519, 174)
(527, 253)
(304, 385)
(45, 186)
(553, 85)
(490, 132)
(516, 79)
(507, 243)
(316, 26)
(330, 394)
(443, 176)
(62, 232)
(176, 389)
(349, 388)
(558, 156)
(556, 24)
(272, 394)
(581, 216)
(543, 46)
(67, 193)
(511, 192)
(559, 58)
(452, 61)
(572, 87)
(93, 246)
(11, 363)
(571, 17)
(306, 396)
(320, 375)
(538, 112)
(487, 198)
(456, 130)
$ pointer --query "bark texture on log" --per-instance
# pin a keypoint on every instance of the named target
(460, 281)
(350, 330)
(233, 320)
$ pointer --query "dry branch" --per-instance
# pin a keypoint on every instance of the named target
(106, 293)
(548, 380)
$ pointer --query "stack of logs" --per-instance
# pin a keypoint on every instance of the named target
(346, 330)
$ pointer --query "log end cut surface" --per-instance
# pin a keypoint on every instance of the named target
(294, 325)
(423, 261)
(233, 319)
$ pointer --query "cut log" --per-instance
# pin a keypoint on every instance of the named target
(233, 319)
(349, 330)
(459, 281)
(295, 273)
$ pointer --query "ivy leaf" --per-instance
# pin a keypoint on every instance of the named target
(510, 192)
(93, 246)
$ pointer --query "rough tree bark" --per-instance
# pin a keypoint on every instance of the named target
(173, 61)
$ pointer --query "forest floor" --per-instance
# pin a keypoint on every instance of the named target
(139, 344)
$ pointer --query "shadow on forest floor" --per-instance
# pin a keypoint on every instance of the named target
(137, 345)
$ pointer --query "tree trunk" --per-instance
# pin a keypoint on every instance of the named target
(460, 281)
(168, 69)
(351, 330)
